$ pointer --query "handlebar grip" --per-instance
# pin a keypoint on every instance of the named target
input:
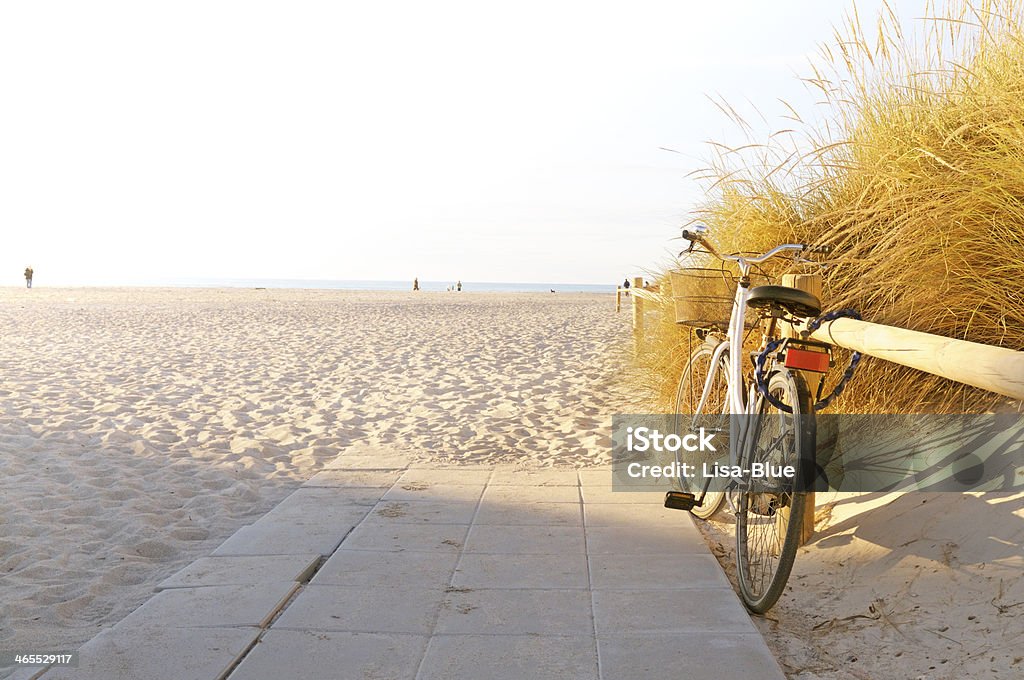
(824, 250)
(688, 235)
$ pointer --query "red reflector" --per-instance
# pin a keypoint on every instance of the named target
(804, 360)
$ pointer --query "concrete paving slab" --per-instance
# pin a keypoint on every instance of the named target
(305, 654)
(656, 572)
(562, 514)
(159, 654)
(606, 494)
(433, 475)
(595, 476)
(520, 571)
(657, 487)
(634, 515)
(211, 606)
(532, 494)
(509, 657)
(23, 673)
(315, 501)
(425, 512)
(305, 513)
(421, 491)
(369, 459)
(398, 609)
(620, 478)
(283, 539)
(357, 478)
(546, 477)
(380, 534)
(516, 612)
(450, 465)
(525, 539)
(655, 656)
(645, 541)
(243, 569)
(695, 610)
(383, 569)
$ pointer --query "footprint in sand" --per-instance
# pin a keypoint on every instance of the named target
(153, 550)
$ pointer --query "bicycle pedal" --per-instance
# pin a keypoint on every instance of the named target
(678, 500)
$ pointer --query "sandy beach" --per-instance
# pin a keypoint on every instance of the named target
(141, 427)
(911, 585)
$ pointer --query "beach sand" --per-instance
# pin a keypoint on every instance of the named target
(901, 585)
(139, 428)
(142, 427)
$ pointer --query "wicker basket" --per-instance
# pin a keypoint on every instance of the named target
(702, 297)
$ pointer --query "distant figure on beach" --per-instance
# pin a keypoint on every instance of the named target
(28, 277)
(416, 283)
(552, 290)
(625, 285)
(458, 286)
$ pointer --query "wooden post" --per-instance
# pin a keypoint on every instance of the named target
(810, 283)
(638, 312)
(618, 299)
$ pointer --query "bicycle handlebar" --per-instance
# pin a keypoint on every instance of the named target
(695, 237)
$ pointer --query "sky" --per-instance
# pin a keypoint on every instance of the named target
(482, 141)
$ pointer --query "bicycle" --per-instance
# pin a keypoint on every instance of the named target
(766, 419)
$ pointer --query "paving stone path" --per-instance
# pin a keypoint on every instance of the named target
(375, 569)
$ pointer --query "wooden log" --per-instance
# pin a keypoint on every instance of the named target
(996, 369)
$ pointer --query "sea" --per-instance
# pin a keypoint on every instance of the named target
(349, 284)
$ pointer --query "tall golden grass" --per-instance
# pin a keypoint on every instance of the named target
(915, 178)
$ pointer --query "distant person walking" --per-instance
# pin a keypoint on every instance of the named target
(625, 285)
(416, 283)
(28, 277)
(458, 286)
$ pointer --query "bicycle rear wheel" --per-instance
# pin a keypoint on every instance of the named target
(690, 416)
(770, 511)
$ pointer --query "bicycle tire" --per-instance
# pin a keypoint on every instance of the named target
(688, 394)
(770, 515)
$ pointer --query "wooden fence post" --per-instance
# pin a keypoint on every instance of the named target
(810, 283)
(638, 312)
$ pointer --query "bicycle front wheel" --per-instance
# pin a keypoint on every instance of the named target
(713, 416)
(770, 510)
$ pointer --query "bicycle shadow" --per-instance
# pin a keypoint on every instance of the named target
(912, 478)
(928, 453)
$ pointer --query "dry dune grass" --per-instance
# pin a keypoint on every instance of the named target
(915, 178)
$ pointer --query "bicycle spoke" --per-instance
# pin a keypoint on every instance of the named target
(770, 511)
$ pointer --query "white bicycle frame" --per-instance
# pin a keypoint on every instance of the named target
(738, 402)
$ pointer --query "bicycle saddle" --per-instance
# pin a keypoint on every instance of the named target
(793, 300)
